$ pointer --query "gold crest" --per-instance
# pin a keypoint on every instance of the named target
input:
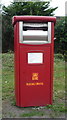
(34, 76)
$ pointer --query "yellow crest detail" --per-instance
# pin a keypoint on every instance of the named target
(34, 76)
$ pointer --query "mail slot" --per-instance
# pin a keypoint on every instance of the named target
(34, 54)
(35, 33)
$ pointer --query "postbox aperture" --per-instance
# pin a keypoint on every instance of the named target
(35, 33)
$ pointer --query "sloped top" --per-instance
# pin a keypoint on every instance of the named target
(33, 19)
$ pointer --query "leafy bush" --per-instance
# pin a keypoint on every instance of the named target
(59, 56)
(61, 35)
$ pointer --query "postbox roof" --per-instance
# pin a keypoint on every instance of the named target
(33, 19)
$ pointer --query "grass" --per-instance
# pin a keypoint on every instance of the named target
(59, 80)
(58, 106)
(8, 76)
(33, 113)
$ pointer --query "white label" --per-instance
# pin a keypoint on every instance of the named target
(35, 57)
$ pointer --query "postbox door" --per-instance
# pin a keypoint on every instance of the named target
(34, 76)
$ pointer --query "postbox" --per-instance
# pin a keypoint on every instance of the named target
(34, 54)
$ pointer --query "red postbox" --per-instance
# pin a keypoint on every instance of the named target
(34, 54)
